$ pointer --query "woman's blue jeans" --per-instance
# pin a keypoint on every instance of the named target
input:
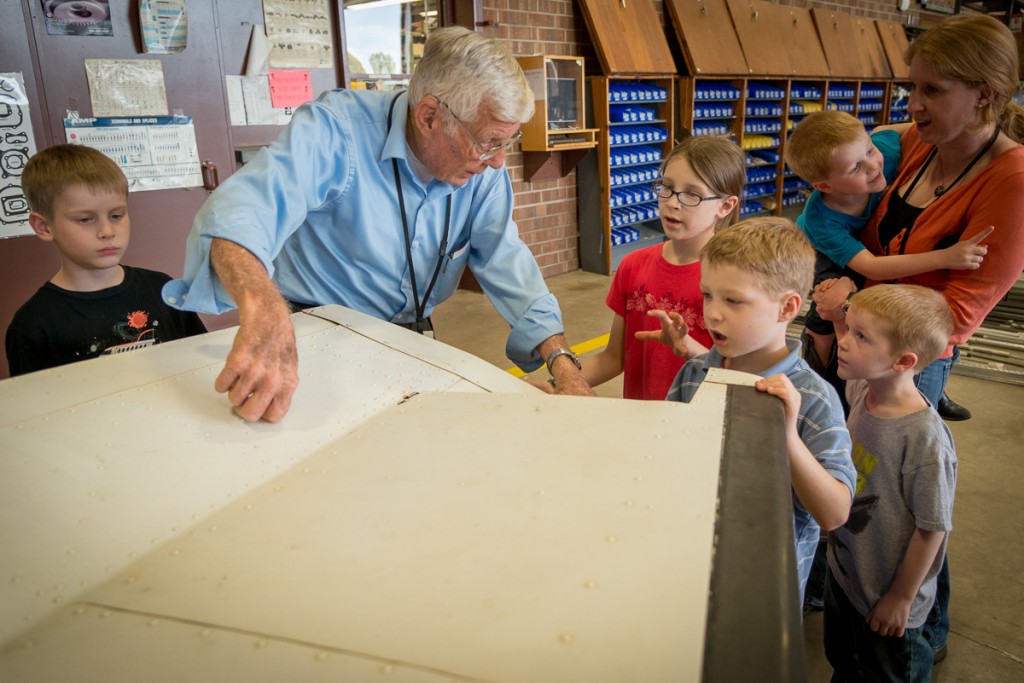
(932, 383)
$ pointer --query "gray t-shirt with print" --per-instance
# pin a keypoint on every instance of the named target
(906, 476)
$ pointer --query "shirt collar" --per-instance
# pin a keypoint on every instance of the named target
(783, 367)
(396, 146)
(417, 166)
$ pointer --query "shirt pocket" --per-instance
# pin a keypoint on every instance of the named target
(451, 272)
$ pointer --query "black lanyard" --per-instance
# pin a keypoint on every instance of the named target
(906, 211)
(422, 324)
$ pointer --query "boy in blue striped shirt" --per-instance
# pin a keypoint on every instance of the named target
(754, 276)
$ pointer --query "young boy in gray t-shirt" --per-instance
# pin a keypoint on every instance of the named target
(884, 561)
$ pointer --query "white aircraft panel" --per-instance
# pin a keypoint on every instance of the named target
(105, 459)
(89, 643)
(486, 537)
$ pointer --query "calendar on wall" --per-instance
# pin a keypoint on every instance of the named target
(155, 152)
(126, 87)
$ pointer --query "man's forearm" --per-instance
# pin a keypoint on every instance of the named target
(245, 278)
(261, 371)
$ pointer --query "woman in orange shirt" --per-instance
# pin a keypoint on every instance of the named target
(962, 171)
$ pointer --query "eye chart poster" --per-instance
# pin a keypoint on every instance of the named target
(17, 144)
(299, 32)
(155, 152)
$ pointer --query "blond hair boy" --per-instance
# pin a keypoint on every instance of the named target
(754, 276)
(93, 305)
(849, 170)
(885, 560)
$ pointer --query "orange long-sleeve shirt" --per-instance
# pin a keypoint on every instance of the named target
(993, 197)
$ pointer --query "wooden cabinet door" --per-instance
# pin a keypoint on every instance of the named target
(628, 37)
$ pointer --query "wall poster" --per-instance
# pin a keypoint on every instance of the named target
(299, 32)
(77, 18)
(155, 152)
(17, 144)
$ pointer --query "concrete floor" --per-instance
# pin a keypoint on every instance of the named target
(986, 642)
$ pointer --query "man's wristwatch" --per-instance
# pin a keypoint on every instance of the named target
(563, 352)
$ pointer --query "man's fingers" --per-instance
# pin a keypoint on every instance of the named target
(541, 386)
(225, 380)
(253, 408)
(268, 405)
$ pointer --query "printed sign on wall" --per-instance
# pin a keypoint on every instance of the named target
(17, 144)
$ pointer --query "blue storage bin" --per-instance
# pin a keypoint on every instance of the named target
(768, 155)
(764, 91)
(804, 91)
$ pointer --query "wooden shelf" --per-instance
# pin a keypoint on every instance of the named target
(635, 118)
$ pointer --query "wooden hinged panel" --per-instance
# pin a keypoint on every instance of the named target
(872, 54)
(838, 36)
(797, 35)
(895, 44)
(708, 39)
(755, 24)
(628, 37)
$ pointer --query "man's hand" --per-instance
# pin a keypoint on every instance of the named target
(262, 370)
(546, 387)
(568, 379)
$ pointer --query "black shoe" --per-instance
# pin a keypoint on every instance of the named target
(938, 655)
(951, 410)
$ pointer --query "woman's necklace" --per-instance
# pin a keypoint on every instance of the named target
(942, 189)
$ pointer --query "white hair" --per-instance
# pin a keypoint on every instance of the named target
(465, 70)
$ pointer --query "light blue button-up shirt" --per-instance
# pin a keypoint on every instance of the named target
(319, 207)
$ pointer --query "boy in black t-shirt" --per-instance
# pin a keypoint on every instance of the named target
(93, 306)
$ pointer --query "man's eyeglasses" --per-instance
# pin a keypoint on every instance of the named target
(488, 149)
(690, 199)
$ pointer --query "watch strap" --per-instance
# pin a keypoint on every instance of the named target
(563, 352)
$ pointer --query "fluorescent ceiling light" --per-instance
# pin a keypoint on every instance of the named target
(374, 4)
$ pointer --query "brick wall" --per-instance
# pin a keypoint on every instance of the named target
(546, 210)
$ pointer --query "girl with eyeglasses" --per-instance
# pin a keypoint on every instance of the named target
(655, 295)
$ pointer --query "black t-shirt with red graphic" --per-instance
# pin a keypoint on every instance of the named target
(57, 326)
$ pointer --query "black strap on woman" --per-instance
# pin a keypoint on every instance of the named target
(940, 190)
(423, 324)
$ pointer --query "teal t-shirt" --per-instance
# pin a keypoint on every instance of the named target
(832, 232)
